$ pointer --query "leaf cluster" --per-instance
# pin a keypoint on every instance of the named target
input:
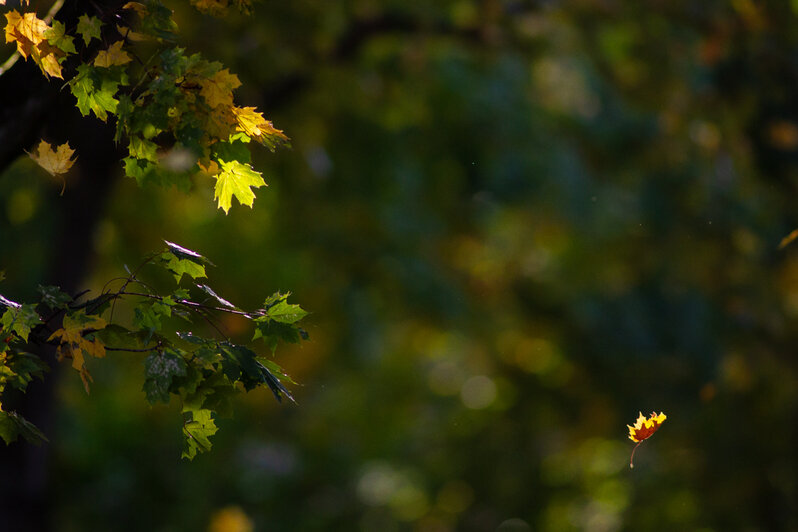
(175, 111)
(202, 372)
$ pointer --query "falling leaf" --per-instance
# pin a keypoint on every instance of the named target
(55, 162)
(113, 56)
(643, 429)
(235, 179)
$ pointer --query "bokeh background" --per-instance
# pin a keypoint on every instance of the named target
(516, 225)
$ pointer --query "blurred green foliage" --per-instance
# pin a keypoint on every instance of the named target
(516, 224)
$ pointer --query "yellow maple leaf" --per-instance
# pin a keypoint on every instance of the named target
(643, 429)
(114, 55)
(73, 344)
(252, 123)
(55, 162)
(218, 90)
(26, 30)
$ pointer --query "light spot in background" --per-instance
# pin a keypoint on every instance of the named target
(381, 484)
(319, 161)
(230, 519)
(478, 392)
(21, 206)
(178, 159)
(378, 484)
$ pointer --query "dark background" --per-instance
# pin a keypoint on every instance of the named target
(516, 225)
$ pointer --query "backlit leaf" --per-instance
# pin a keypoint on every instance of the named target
(114, 55)
(89, 28)
(236, 179)
(55, 162)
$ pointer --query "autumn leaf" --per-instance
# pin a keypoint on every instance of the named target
(643, 429)
(218, 90)
(31, 35)
(235, 179)
(55, 162)
(252, 123)
(73, 343)
(26, 30)
(113, 56)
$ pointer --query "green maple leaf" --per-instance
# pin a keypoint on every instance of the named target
(197, 433)
(58, 38)
(235, 179)
(180, 266)
(94, 93)
(13, 425)
(89, 28)
(20, 320)
(285, 313)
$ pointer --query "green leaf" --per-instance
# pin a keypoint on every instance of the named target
(114, 335)
(89, 28)
(13, 425)
(53, 297)
(282, 312)
(159, 371)
(235, 149)
(197, 430)
(143, 149)
(235, 179)
(179, 266)
(20, 368)
(56, 36)
(20, 320)
(94, 92)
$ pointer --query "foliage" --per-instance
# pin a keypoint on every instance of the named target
(203, 373)
(164, 102)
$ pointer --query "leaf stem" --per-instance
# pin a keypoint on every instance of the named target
(631, 458)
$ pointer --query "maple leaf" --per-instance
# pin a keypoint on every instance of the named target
(57, 36)
(218, 90)
(55, 162)
(73, 343)
(643, 429)
(89, 28)
(197, 431)
(113, 56)
(252, 123)
(235, 179)
(26, 30)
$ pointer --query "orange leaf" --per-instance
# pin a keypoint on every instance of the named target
(643, 429)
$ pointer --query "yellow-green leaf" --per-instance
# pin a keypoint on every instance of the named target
(236, 179)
